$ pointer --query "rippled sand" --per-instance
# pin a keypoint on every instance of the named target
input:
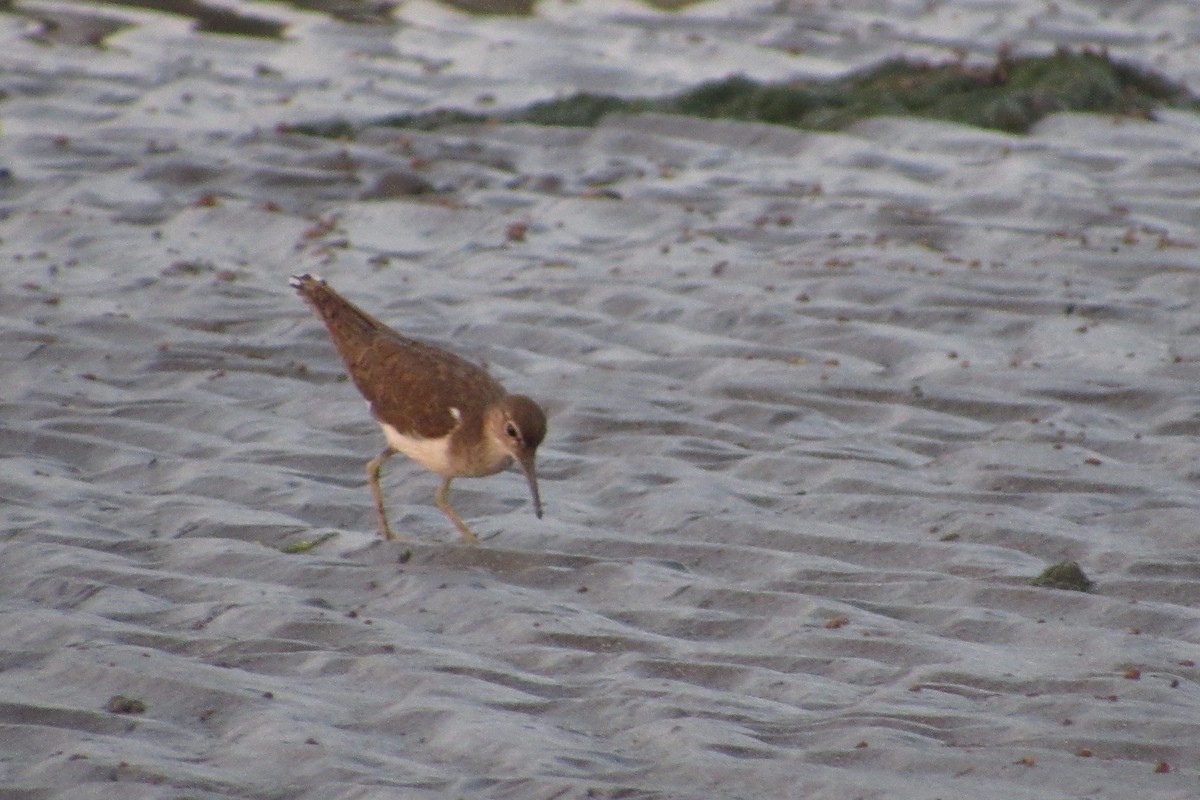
(821, 406)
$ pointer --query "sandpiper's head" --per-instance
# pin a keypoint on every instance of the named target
(518, 425)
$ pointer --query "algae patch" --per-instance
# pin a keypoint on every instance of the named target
(304, 545)
(1064, 575)
(1010, 95)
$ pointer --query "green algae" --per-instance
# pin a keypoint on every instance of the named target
(305, 545)
(1010, 95)
(1064, 575)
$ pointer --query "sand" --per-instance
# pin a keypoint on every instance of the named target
(821, 406)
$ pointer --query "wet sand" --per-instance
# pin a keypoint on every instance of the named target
(821, 406)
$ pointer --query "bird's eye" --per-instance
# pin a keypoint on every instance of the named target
(512, 431)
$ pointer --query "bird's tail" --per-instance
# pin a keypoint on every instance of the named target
(352, 328)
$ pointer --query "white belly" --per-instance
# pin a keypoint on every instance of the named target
(432, 454)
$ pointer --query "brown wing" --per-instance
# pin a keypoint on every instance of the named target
(409, 384)
(412, 386)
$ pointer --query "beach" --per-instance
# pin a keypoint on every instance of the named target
(822, 406)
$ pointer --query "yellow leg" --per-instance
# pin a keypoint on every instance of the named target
(373, 467)
(443, 500)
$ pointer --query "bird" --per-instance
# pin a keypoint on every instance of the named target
(439, 409)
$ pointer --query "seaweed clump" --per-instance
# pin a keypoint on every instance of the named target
(1064, 575)
(1010, 95)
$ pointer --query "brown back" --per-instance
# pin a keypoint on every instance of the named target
(409, 384)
